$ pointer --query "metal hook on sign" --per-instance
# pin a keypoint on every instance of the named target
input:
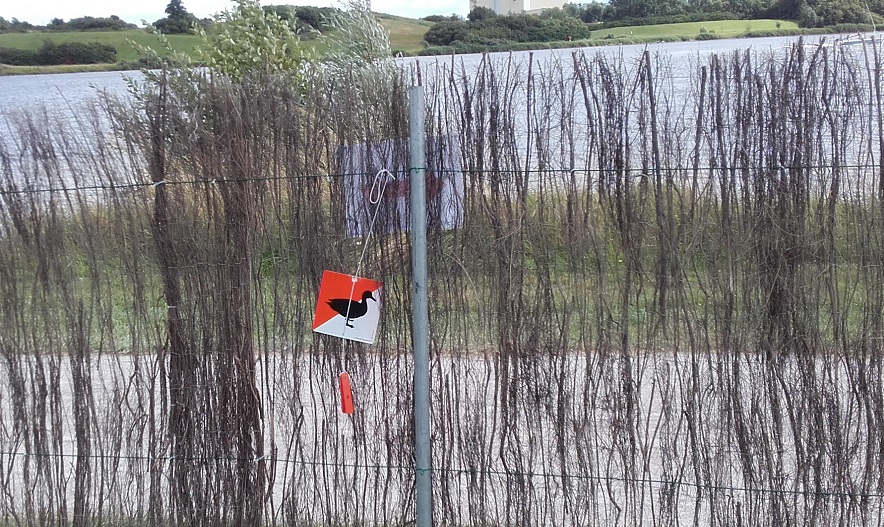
(379, 185)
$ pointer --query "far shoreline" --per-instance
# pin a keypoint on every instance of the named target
(7, 70)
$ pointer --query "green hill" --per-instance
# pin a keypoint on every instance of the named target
(720, 28)
(117, 39)
(406, 34)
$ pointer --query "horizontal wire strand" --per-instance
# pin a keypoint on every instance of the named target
(460, 471)
(634, 171)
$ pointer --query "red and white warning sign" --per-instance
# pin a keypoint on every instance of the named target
(348, 307)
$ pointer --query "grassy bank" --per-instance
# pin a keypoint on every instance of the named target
(406, 34)
(720, 28)
(62, 68)
(120, 40)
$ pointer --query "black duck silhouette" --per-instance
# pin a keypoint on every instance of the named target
(351, 309)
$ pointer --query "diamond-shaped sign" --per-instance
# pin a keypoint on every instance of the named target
(348, 307)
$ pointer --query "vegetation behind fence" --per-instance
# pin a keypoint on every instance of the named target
(664, 304)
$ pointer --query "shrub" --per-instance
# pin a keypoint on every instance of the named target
(177, 21)
(88, 23)
(307, 17)
(669, 19)
(807, 17)
(76, 53)
(311, 16)
(851, 28)
(510, 28)
(52, 54)
(443, 18)
(17, 57)
(248, 38)
(438, 50)
(481, 13)
(175, 26)
(786, 32)
(444, 33)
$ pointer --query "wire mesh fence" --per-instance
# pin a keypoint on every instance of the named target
(662, 303)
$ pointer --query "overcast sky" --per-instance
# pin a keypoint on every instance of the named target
(40, 12)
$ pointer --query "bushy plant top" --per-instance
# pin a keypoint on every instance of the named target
(248, 38)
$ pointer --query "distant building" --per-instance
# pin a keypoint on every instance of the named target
(506, 7)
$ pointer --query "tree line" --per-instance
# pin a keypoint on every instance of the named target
(808, 13)
(85, 23)
(576, 21)
(550, 25)
(178, 20)
(307, 19)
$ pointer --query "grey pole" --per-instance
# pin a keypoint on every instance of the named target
(420, 315)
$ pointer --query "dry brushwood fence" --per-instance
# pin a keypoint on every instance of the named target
(664, 305)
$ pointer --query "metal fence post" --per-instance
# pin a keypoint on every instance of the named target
(420, 315)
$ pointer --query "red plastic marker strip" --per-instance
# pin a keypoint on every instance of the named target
(346, 393)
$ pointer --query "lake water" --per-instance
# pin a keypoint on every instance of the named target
(71, 90)
(70, 95)
(58, 90)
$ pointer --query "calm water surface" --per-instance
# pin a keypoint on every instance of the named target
(58, 90)
(71, 95)
(73, 90)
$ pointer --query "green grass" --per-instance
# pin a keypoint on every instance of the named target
(406, 34)
(63, 68)
(721, 28)
(117, 39)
